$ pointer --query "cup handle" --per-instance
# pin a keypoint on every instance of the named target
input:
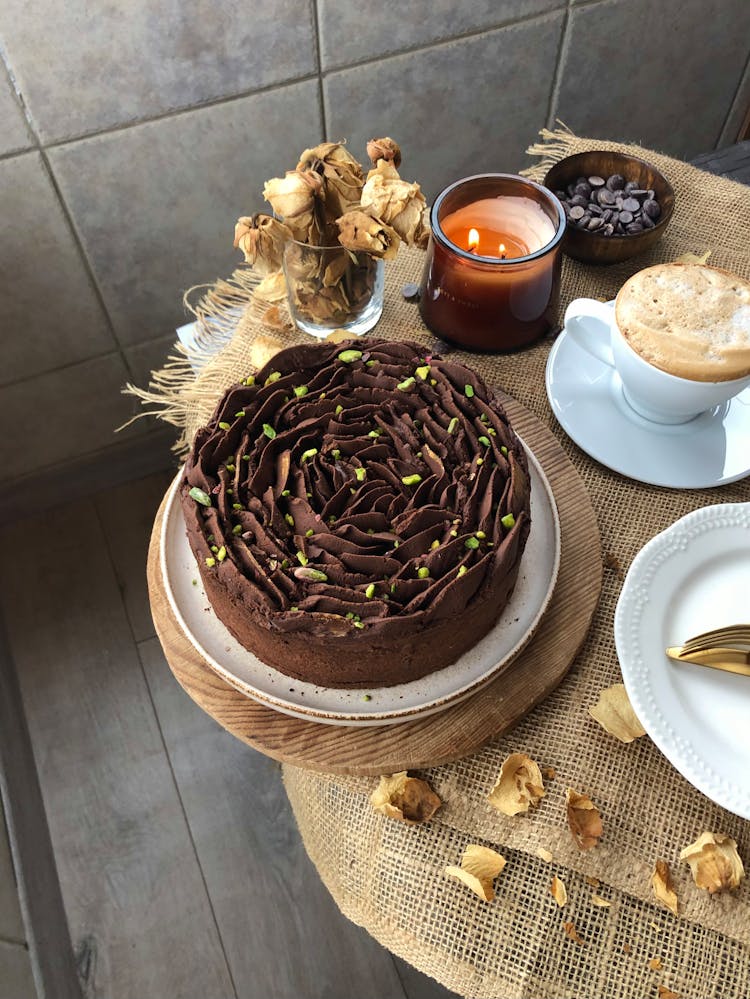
(588, 323)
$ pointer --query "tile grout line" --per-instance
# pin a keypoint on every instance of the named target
(733, 103)
(167, 755)
(13, 941)
(562, 52)
(315, 17)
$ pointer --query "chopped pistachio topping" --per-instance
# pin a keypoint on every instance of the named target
(300, 390)
(285, 563)
(360, 473)
(347, 356)
(452, 425)
(454, 533)
(406, 384)
(370, 591)
(472, 543)
(302, 558)
(200, 496)
(210, 562)
(222, 554)
(492, 432)
(375, 433)
(508, 520)
(230, 492)
(433, 381)
(423, 372)
(411, 480)
(223, 425)
(237, 506)
(309, 495)
(210, 537)
(358, 624)
(332, 519)
(214, 548)
(310, 453)
(336, 453)
(370, 530)
(339, 409)
(250, 380)
(366, 697)
(423, 572)
(484, 440)
(322, 395)
(289, 519)
(371, 362)
(269, 431)
(484, 418)
(504, 450)
(295, 609)
(240, 412)
(462, 569)
(273, 377)
(393, 588)
(419, 454)
(285, 492)
(349, 616)
(469, 391)
(309, 532)
(480, 534)
(246, 457)
(435, 544)
(311, 575)
(237, 529)
(230, 468)
(194, 582)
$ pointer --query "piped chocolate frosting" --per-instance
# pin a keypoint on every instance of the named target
(355, 506)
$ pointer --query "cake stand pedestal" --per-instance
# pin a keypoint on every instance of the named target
(457, 731)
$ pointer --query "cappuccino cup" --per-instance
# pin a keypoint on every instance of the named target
(678, 336)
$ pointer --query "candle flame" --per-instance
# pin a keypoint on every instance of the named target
(473, 240)
(501, 251)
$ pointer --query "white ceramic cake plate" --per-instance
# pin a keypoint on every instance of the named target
(586, 397)
(386, 705)
(693, 577)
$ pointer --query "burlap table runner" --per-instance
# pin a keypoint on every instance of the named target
(389, 877)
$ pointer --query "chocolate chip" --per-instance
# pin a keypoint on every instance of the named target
(626, 216)
(579, 199)
(651, 208)
(646, 221)
(604, 196)
(576, 212)
(635, 227)
(638, 193)
(410, 292)
(630, 186)
(584, 189)
(616, 182)
(596, 181)
(561, 195)
(631, 205)
(608, 229)
(595, 209)
(594, 223)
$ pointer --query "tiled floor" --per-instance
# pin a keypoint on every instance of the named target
(181, 869)
(16, 981)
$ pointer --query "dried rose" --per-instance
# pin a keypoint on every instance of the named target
(359, 231)
(342, 176)
(272, 288)
(297, 199)
(519, 785)
(661, 882)
(384, 149)
(615, 714)
(584, 819)
(479, 868)
(714, 862)
(558, 891)
(397, 202)
(405, 798)
(261, 238)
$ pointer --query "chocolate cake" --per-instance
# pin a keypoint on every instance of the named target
(358, 512)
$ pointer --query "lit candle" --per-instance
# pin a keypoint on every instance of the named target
(491, 279)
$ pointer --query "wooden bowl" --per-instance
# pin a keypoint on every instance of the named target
(590, 247)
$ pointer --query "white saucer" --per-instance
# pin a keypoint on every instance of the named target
(693, 577)
(586, 397)
(378, 706)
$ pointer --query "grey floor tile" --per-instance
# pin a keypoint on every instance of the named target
(350, 34)
(457, 109)
(11, 924)
(738, 112)
(84, 69)
(14, 135)
(175, 188)
(16, 980)
(661, 74)
(51, 315)
(63, 414)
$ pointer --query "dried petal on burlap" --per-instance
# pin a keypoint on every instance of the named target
(261, 239)
(663, 992)
(584, 819)
(655, 964)
(342, 176)
(272, 288)
(714, 862)
(519, 785)
(479, 868)
(397, 202)
(558, 891)
(297, 198)
(572, 932)
(384, 149)
(615, 714)
(543, 854)
(405, 798)
(661, 881)
(602, 903)
(693, 258)
(359, 231)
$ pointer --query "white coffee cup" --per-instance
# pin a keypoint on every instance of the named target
(654, 394)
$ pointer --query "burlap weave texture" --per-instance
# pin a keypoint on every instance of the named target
(388, 877)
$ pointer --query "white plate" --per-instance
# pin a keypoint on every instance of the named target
(693, 577)
(586, 397)
(388, 705)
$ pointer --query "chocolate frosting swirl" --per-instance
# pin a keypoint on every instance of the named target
(361, 489)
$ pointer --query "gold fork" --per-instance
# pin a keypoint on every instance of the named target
(713, 649)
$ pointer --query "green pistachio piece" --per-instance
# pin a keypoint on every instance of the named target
(471, 543)
(311, 575)
(469, 391)
(336, 453)
(484, 440)
(406, 384)
(239, 413)
(454, 534)
(480, 534)
(462, 569)
(200, 496)
(361, 474)
(223, 425)
(433, 382)
(349, 616)
(370, 591)
(273, 377)
(348, 356)
(210, 562)
(435, 544)
(309, 532)
(300, 390)
(393, 588)
(322, 395)
(508, 520)
(423, 372)
(222, 554)
(492, 432)
(302, 558)
(285, 563)
(231, 469)
(230, 492)
(310, 453)
(411, 480)
(339, 409)
(289, 519)
(194, 582)
(504, 450)
(480, 461)
(269, 431)
(210, 538)
(214, 548)
(285, 492)
(294, 609)
(237, 506)
(452, 425)
(371, 363)
(375, 433)
(250, 380)
(366, 697)
(484, 418)
(423, 572)
(237, 529)
(246, 457)
(358, 624)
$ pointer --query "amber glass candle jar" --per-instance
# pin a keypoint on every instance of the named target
(491, 280)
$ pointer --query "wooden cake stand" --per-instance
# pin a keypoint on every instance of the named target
(455, 732)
